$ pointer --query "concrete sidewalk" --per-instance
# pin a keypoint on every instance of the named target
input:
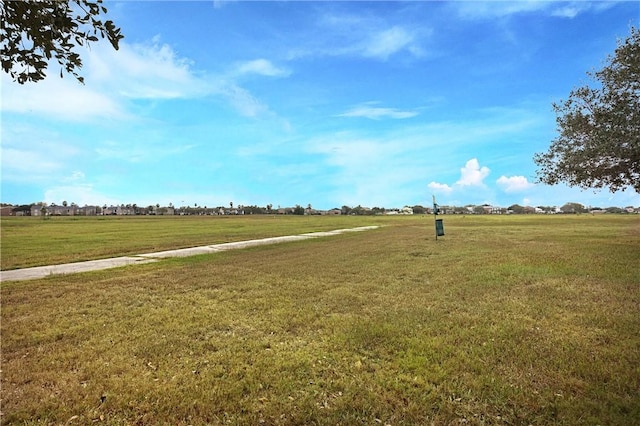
(94, 265)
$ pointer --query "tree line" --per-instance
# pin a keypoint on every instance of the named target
(72, 209)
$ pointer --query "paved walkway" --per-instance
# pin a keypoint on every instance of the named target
(94, 265)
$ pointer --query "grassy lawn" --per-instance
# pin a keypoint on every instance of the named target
(32, 241)
(505, 320)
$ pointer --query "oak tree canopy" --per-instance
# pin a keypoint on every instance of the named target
(35, 32)
(598, 142)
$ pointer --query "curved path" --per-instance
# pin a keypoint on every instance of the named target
(94, 265)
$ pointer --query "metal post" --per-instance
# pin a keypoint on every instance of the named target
(435, 215)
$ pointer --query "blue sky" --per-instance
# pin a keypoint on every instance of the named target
(379, 104)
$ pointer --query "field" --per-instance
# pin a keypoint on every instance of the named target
(33, 241)
(505, 320)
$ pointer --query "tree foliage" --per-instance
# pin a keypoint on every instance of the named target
(573, 208)
(34, 32)
(598, 145)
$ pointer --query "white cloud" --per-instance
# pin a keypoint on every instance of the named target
(367, 110)
(144, 71)
(472, 174)
(140, 71)
(514, 183)
(262, 67)
(440, 187)
(80, 103)
(155, 71)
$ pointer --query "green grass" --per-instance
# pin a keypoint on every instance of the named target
(32, 241)
(505, 320)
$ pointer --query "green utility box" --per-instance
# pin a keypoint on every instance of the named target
(439, 228)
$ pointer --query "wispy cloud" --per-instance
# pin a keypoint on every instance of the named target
(385, 43)
(155, 71)
(369, 110)
(242, 100)
(367, 169)
(150, 70)
(262, 67)
(147, 71)
(81, 103)
(31, 155)
(496, 9)
(499, 9)
(21, 162)
(142, 71)
(575, 8)
(362, 36)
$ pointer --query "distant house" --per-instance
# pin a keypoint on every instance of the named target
(37, 210)
(489, 209)
(88, 211)
(160, 211)
(233, 211)
(63, 210)
(125, 211)
(287, 210)
(106, 211)
(6, 211)
(485, 209)
(312, 212)
(406, 210)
